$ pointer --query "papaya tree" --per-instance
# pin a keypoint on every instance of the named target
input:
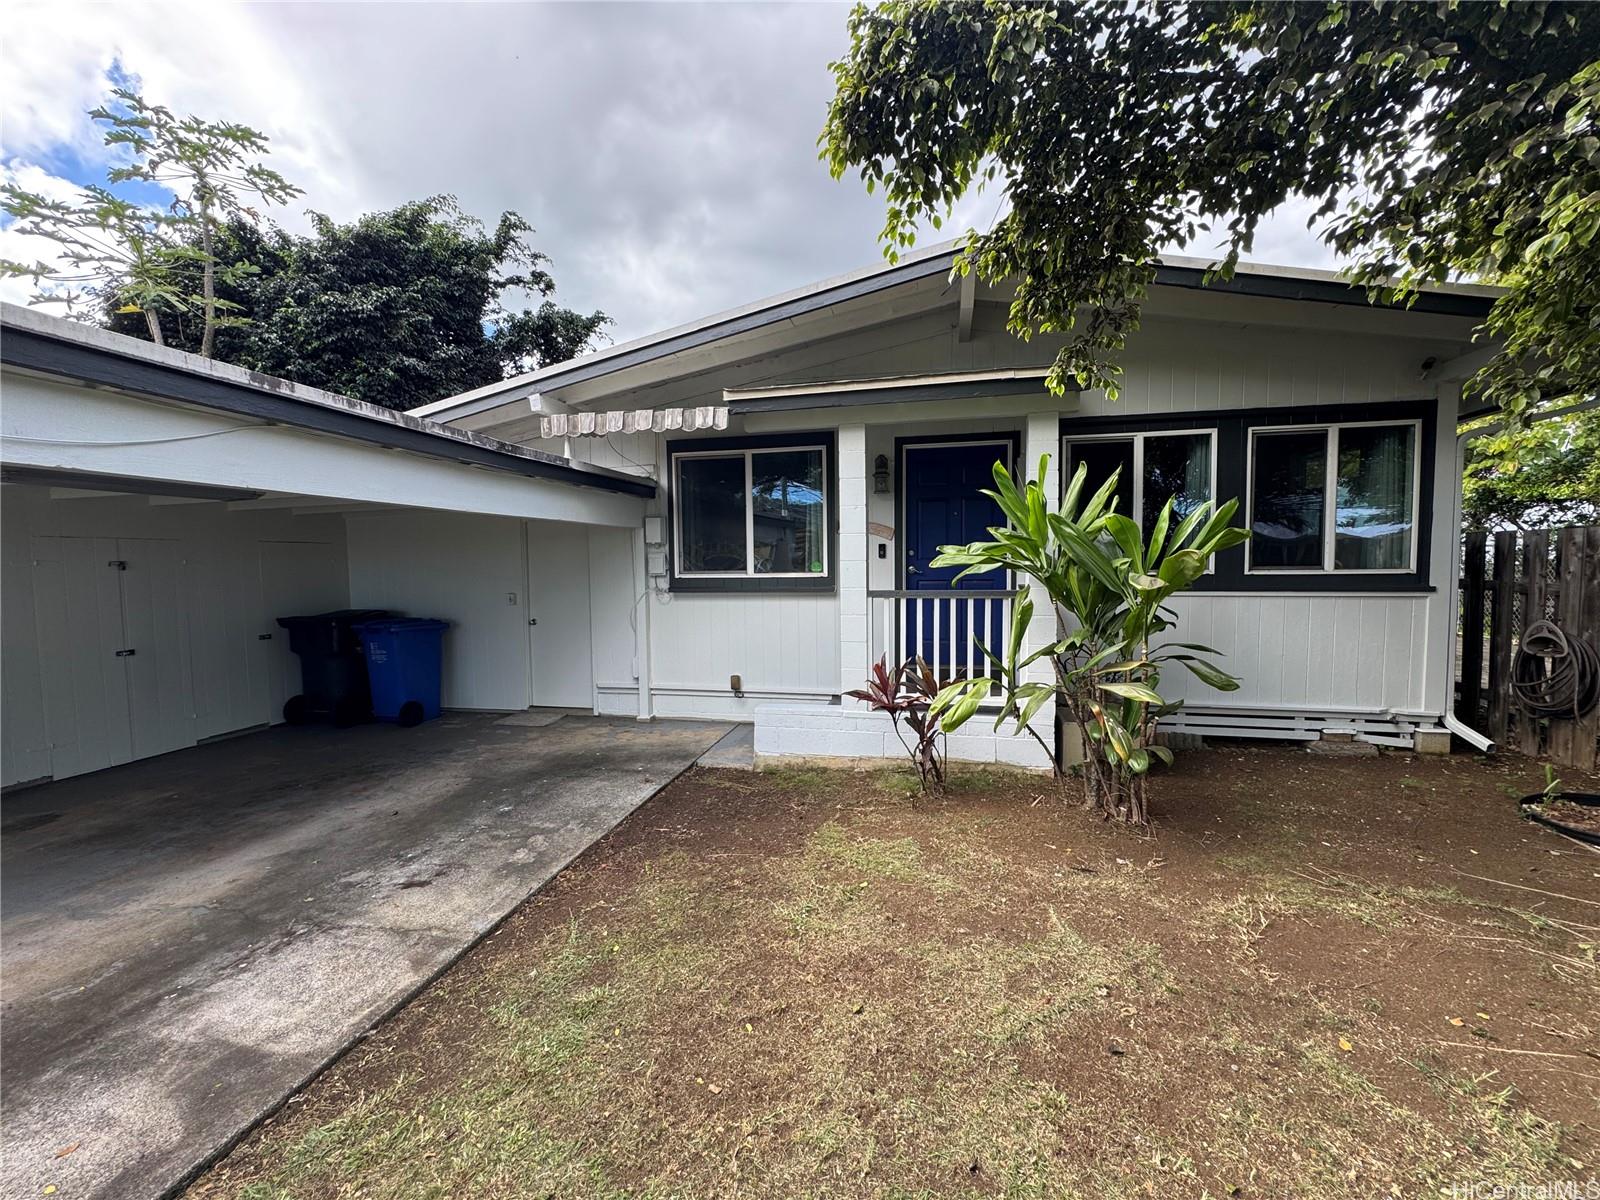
(1109, 586)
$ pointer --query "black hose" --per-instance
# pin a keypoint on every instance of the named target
(1533, 808)
(1555, 674)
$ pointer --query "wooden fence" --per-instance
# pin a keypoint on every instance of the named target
(1508, 582)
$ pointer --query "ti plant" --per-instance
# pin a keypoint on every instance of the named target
(1109, 587)
(907, 693)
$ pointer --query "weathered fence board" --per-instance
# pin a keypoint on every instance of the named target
(1535, 557)
(1509, 582)
(1471, 697)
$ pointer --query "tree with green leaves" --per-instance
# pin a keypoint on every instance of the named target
(1438, 140)
(397, 308)
(146, 261)
(1110, 590)
(1543, 476)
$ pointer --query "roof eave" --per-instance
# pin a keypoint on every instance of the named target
(52, 346)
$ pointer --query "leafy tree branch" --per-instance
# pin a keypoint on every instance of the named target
(1438, 140)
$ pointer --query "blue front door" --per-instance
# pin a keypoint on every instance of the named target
(944, 505)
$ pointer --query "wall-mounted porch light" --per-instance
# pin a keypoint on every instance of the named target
(880, 475)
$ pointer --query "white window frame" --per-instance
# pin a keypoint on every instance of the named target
(1137, 437)
(749, 572)
(1330, 497)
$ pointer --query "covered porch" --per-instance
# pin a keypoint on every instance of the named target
(913, 457)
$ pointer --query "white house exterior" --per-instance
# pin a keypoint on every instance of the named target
(1347, 625)
(732, 519)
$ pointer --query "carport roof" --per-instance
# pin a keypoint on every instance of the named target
(38, 343)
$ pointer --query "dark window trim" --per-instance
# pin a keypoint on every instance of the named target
(1233, 437)
(1012, 437)
(767, 585)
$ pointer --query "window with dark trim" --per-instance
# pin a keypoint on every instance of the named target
(752, 513)
(1340, 497)
(1160, 465)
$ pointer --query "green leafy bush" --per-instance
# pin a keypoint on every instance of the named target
(1108, 586)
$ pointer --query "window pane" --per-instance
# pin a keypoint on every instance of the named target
(1288, 496)
(1103, 457)
(787, 490)
(1374, 526)
(711, 514)
(1177, 467)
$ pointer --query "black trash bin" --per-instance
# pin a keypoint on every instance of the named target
(333, 669)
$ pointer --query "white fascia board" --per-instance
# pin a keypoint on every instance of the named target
(881, 383)
(59, 426)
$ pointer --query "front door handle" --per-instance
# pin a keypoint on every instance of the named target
(913, 570)
(126, 653)
(533, 620)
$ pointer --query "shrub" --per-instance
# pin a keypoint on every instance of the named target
(1109, 589)
(907, 694)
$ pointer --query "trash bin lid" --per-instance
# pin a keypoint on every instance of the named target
(339, 616)
(401, 625)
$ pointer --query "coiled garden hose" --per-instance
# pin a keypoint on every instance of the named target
(1555, 674)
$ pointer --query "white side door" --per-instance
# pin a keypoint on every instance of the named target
(78, 623)
(558, 614)
(155, 630)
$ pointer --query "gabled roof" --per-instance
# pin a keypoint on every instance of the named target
(1254, 279)
(42, 344)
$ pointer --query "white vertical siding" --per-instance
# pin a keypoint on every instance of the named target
(1349, 651)
(1304, 651)
(1175, 366)
(778, 643)
(461, 568)
(198, 630)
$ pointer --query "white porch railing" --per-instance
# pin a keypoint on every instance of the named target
(943, 626)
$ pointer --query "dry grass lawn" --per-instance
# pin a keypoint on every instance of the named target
(1314, 980)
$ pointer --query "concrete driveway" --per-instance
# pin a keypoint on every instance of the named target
(183, 941)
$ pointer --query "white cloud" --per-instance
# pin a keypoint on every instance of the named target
(664, 152)
(30, 248)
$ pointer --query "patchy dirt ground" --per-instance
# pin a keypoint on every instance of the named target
(1319, 977)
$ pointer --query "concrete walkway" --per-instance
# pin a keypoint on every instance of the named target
(186, 939)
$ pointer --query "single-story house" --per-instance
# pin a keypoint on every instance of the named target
(736, 517)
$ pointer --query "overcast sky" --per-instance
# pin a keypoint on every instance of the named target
(666, 153)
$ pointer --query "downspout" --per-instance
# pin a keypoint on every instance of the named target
(1452, 722)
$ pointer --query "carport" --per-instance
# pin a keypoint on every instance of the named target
(160, 511)
(187, 939)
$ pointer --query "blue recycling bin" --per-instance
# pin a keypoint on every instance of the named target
(405, 658)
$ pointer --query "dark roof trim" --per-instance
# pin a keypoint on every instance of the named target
(888, 394)
(96, 481)
(1322, 291)
(30, 350)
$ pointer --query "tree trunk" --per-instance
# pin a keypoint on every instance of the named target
(208, 338)
(153, 320)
